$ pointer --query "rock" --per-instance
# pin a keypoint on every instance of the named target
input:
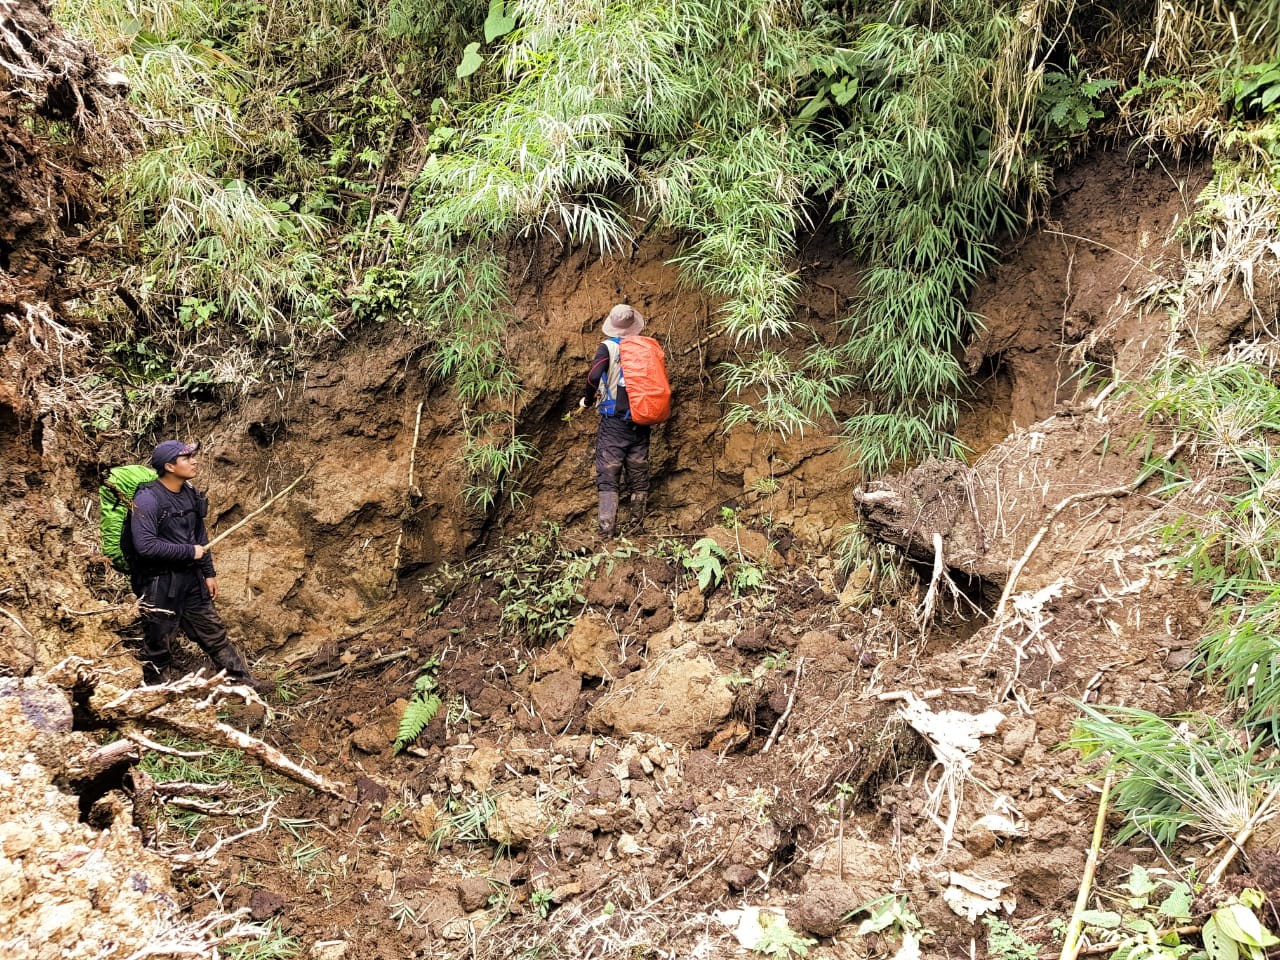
(682, 699)
(691, 605)
(263, 904)
(473, 893)
(591, 647)
(823, 904)
(329, 950)
(1019, 734)
(628, 846)
(370, 739)
(480, 764)
(754, 638)
(555, 696)
(425, 819)
(738, 876)
(516, 821)
(979, 841)
(370, 792)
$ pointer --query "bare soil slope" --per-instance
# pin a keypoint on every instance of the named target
(678, 751)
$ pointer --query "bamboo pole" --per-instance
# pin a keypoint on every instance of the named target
(236, 526)
(1071, 943)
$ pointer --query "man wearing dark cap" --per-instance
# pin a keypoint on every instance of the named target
(620, 442)
(172, 569)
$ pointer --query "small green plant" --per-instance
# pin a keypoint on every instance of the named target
(1151, 910)
(542, 902)
(424, 704)
(706, 559)
(1258, 88)
(889, 913)
(466, 820)
(403, 913)
(1234, 929)
(1004, 943)
(779, 940)
(274, 944)
(542, 582)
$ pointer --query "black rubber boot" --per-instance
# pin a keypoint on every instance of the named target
(639, 507)
(608, 512)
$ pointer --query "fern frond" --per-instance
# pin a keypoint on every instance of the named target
(417, 715)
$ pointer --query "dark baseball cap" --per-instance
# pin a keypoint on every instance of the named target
(167, 451)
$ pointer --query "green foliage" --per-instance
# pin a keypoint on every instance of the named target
(424, 703)
(274, 944)
(541, 581)
(890, 914)
(1258, 88)
(1231, 543)
(1004, 943)
(706, 560)
(779, 940)
(1234, 929)
(466, 819)
(1175, 774)
(1144, 924)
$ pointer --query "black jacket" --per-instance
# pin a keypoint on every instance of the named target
(165, 527)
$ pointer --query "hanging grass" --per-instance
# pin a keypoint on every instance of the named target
(1184, 774)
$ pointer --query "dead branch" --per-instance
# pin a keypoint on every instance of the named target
(206, 855)
(172, 705)
(21, 626)
(931, 596)
(1071, 942)
(98, 761)
(236, 526)
(223, 735)
(791, 702)
(352, 667)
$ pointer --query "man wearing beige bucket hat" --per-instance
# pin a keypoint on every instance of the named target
(622, 446)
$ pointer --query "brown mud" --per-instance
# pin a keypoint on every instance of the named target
(676, 751)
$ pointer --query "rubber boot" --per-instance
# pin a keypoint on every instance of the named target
(639, 507)
(227, 657)
(608, 512)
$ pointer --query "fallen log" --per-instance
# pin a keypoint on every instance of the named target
(175, 705)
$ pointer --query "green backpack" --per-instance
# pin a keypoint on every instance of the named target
(115, 500)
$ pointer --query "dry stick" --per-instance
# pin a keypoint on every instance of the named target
(791, 702)
(21, 626)
(366, 665)
(413, 459)
(236, 526)
(231, 737)
(1071, 943)
(1238, 842)
(1096, 949)
(1121, 491)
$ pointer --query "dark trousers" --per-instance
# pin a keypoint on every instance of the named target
(180, 601)
(622, 445)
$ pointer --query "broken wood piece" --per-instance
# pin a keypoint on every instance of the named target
(98, 761)
(791, 702)
(228, 736)
(875, 496)
(171, 704)
(1071, 942)
(353, 667)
